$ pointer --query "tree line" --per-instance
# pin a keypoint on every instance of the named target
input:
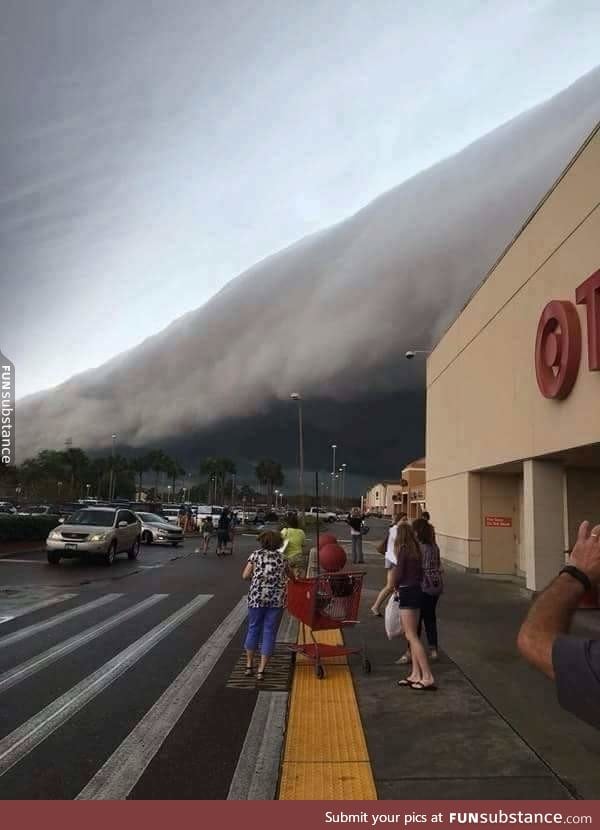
(66, 475)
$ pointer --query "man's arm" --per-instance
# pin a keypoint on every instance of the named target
(549, 616)
(552, 612)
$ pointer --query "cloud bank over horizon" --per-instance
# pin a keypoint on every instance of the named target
(332, 315)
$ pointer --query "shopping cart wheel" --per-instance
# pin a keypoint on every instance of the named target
(320, 671)
(366, 665)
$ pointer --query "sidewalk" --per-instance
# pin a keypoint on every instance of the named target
(494, 728)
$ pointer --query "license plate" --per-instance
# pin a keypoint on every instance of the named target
(70, 546)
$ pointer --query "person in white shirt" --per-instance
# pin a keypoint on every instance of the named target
(390, 564)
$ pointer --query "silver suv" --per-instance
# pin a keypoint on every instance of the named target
(96, 531)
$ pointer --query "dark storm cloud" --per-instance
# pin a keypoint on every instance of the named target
(332, 315)
(152, 150)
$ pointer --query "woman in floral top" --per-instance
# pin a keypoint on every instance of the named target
(268, 571)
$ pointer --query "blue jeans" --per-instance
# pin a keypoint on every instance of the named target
(357, 550)
(262, 629)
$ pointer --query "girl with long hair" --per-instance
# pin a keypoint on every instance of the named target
(432, 586)
(390, 562)
(408, 575)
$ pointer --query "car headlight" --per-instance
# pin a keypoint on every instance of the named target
(55, 534)
(99, 537)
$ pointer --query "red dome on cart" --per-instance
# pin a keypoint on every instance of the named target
(332, 557)
(327, 539)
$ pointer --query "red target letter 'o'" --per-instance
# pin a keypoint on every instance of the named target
(557, 349)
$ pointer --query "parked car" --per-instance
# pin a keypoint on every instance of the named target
(95, 531)
(324, 514)
(155, 529)
(40, 510)
(171, 514)
(7, 508)
(246, 516)
(203, 511)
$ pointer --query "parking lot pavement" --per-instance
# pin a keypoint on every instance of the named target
(32, 568)
(122, 688)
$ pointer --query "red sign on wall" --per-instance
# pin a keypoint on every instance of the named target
(498, 521)
(558, 340)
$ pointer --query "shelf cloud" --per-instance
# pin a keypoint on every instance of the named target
(332, 315)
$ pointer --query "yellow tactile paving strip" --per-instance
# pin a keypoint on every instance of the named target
(325, 756)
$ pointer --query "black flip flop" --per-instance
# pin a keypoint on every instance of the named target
(420, 687)
(249, 671)
(405, 684)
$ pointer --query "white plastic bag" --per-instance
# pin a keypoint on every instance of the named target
(393, 623)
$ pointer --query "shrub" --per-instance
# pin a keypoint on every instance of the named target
(25, 528)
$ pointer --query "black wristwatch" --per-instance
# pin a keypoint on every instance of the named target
(578, 575)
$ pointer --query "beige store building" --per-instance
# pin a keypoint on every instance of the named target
(384, 498)
(513, 394)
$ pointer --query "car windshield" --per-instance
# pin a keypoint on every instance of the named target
(95, 518)
(33, 510)
(151, 518)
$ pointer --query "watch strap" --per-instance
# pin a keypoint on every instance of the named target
(578, 575)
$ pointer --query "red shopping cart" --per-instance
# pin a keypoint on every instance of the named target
(325, 602)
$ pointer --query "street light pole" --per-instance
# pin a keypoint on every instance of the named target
(296, 397)
(112, 469)
(334, 448)
(343, 471)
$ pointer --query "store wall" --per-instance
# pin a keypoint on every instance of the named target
(583, 500)
(455, 507)
(484, 407)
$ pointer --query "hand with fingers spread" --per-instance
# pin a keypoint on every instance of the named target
(586, 554)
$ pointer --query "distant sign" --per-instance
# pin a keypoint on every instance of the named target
(498, 521)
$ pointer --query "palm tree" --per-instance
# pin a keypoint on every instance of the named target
(139, 466)
(157, 462)
(78, 464)
(174, 470)
(208, 468)
(99, 475)
(269, 472)
(223, 467)
(121, 468)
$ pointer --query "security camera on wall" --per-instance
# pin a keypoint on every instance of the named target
(409, 355)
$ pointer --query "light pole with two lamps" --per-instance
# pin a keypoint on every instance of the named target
(295, 396)
(112, 482)
(333, 449)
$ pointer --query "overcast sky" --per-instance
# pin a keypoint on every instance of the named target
(151, 151)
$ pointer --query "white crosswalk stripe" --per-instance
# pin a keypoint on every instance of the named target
(37, 628)
(41, 661)
(122, 771)
(22, 740)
